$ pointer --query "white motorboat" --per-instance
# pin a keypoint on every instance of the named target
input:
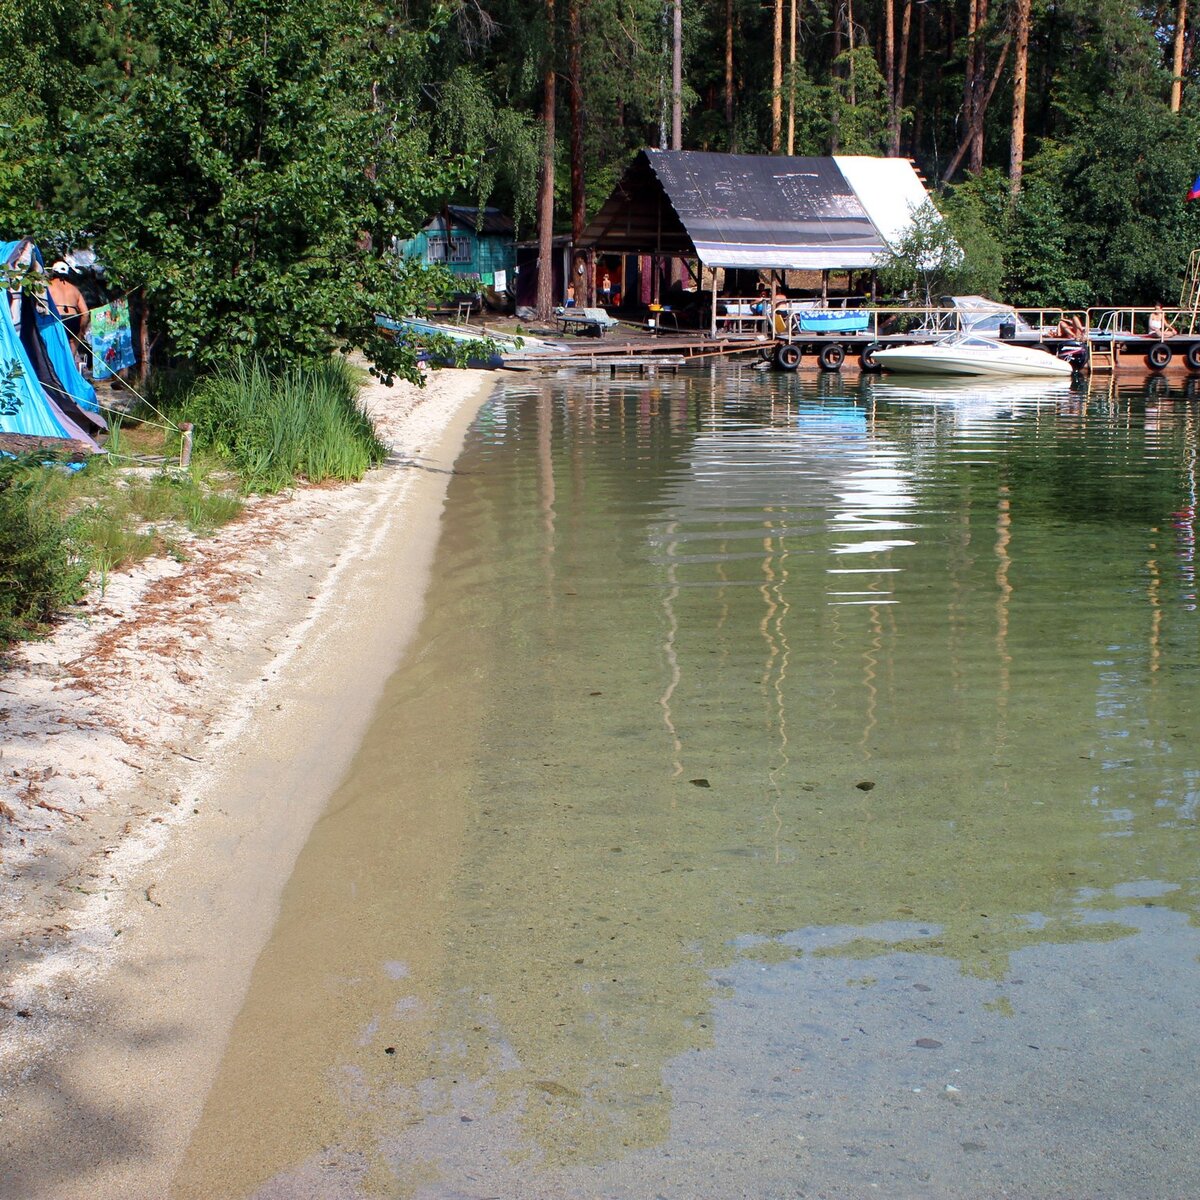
(971, 354)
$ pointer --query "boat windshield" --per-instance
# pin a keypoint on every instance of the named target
(973, 341)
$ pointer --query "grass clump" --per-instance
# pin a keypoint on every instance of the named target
(256, 431)
(278, 427)
(59, 527)
(43, 565)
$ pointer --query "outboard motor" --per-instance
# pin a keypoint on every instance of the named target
(1075, 353)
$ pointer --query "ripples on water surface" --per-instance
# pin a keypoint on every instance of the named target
(792, 793)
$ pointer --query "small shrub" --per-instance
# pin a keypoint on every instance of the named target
(41, 568)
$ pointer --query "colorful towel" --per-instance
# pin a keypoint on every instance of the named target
(112, 339)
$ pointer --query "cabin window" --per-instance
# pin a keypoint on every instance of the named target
(444, 249)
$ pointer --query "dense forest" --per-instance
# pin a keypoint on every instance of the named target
(247, 163)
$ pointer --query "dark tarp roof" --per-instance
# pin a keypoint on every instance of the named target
(739, 210)
(486, 221)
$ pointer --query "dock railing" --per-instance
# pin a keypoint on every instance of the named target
(1134, 322)
(802, 320)
(927, 323)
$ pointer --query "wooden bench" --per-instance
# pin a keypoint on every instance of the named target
(585, 320)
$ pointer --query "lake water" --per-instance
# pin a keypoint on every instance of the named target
(792, 793)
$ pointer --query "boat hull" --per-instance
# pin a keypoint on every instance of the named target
(1009, 363)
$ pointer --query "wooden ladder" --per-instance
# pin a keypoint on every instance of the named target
(1189, 294)
(1102, 354)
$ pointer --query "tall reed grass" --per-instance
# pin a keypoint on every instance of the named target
(302, 422)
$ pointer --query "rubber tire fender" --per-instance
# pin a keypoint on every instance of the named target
(866, 357)
(1158, 356)
(832, 357)
(787, 356)
(1193, 357)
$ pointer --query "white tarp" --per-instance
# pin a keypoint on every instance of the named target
(888, 188)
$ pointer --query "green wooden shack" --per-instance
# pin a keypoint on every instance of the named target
(476, 243)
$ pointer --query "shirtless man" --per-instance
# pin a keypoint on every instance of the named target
(69, 301)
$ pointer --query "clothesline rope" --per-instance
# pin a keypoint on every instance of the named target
(170, 425)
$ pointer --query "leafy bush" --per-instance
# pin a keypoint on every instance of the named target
(41, 567)
(277, 427)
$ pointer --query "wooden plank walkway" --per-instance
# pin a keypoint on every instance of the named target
(659, 351)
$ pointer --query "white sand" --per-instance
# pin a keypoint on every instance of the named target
(163, 759)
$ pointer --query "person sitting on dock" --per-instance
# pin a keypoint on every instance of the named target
(1071, 328)
(1159, 325)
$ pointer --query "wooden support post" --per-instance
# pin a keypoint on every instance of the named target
(144, 339)
(185, 449)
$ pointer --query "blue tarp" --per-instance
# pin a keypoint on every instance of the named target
(58, 348)
(25, 406)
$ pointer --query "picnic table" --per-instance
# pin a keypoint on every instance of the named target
(585, 320)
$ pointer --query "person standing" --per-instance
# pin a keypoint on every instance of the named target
(606, 289)
(72, 307)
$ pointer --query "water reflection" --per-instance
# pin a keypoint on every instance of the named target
(793, 789)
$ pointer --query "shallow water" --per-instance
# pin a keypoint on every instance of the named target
(792, 792)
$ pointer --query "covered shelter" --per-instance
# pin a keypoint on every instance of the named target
(758, 212)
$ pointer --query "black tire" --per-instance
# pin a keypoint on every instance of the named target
(832, 357)
(866, 357)
(1193, 357)
(1158, 356)
(787, 356)
(766, 352)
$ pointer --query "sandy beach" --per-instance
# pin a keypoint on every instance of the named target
(164, 756)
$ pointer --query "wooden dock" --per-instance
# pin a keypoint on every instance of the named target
(637, 354)
(1117, 339)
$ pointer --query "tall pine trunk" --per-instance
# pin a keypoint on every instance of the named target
(575, 97)
(918, 126)
(777, 80)
(1016, 153)
(545, 290)
(979, 105)
(729, 75)
(889, 71)
(677, 75)
(901, 76)
(1177, 56)
(853, 88)
(791, 137)
(969, 61)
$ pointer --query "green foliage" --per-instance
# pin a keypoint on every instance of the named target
(41, 568)
(279, 426)
(1114, 194)
(10, 394)
(251, 169)
(944, 252)
(252, 164)
(977, 213)
(859, 108)
(501, 145)
(1043, 267)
